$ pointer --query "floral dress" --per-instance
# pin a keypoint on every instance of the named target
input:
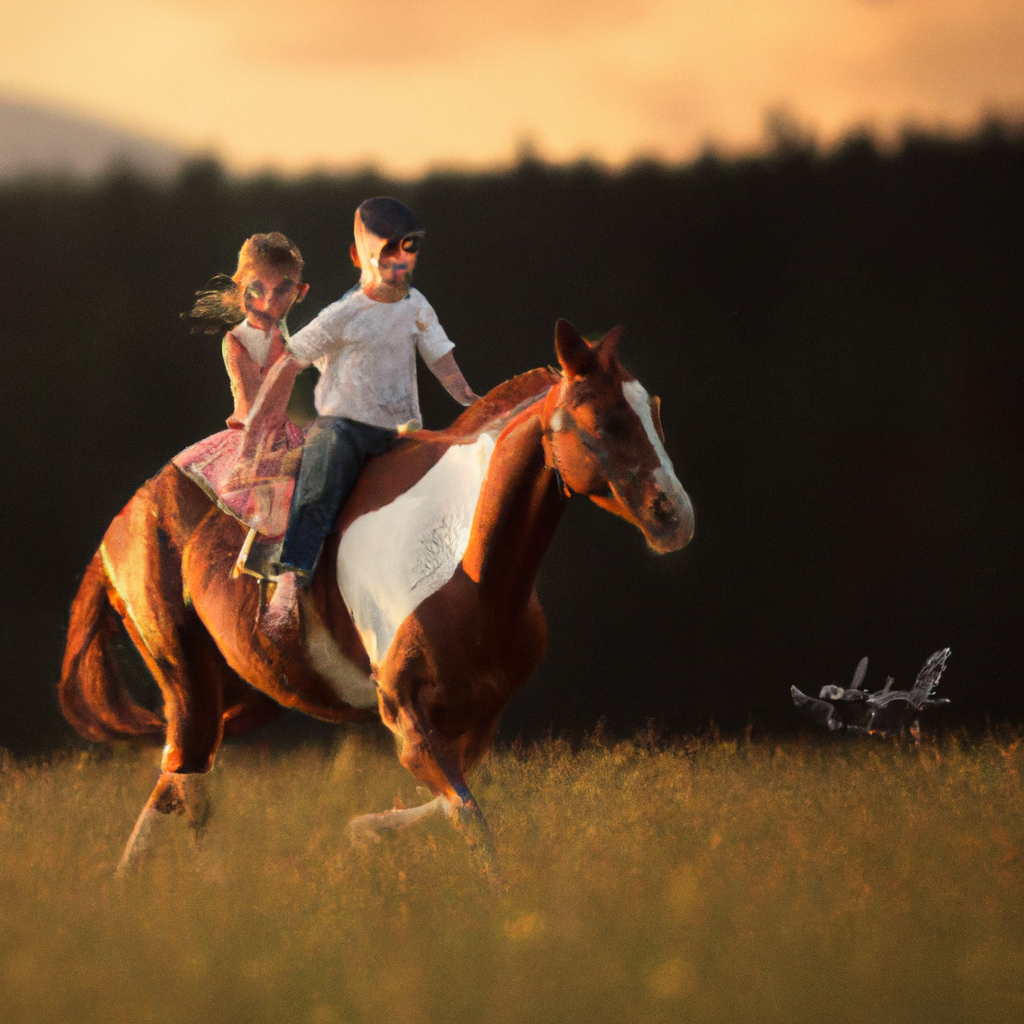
(249, 469)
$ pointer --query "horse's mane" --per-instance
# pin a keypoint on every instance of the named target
(497, 407)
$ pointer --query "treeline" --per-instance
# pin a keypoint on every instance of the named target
(836, 338)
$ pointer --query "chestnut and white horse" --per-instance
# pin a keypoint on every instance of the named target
(423, 608)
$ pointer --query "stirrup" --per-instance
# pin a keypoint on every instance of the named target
(243, 555)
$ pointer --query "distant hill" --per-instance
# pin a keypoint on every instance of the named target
(40, 140)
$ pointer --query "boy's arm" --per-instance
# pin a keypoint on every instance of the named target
(446, 370)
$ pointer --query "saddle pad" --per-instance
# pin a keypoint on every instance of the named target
(392, 559)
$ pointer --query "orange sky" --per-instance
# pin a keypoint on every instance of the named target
(414, 84)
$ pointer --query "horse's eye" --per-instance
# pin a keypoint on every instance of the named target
(614, 425)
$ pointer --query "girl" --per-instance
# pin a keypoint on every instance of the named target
(248, 469)
(254, 303)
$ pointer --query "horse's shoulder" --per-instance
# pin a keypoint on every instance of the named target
(389, 475)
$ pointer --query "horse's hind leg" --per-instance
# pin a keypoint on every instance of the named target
(193, 705)
(186, 665)
(174, 793)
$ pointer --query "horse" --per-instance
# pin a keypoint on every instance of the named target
(432, 631)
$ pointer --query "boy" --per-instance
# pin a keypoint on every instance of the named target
(364, 346)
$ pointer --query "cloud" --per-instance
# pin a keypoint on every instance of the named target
(410, 84)
(405, 33)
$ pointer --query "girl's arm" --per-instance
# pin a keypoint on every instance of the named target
(270, 407)
(245, 378)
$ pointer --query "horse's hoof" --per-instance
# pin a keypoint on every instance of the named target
(362, 831)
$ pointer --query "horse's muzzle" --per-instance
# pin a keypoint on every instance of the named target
(669, 522)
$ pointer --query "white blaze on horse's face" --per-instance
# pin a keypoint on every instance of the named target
(667, 515)
(640, 402)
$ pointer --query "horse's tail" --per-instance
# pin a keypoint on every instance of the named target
(92, 691)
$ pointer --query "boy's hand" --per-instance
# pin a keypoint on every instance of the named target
(446, 370)
(464, 395)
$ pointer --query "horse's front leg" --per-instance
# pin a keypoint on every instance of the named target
(425, 661)
(174, 793)
(369, 828)
(439, 764)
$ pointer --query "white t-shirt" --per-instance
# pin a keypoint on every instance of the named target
(366, 354)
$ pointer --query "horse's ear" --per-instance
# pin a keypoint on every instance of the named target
(609, 342)
(574, 354)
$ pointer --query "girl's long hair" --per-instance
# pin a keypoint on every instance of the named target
(221, 303)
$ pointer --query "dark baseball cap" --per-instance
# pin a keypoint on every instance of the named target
(388, 219)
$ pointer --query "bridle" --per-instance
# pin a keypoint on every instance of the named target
(556, 419)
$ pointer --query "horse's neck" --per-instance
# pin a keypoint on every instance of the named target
(516, 516)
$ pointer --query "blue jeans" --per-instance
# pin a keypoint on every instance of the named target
(332, 455)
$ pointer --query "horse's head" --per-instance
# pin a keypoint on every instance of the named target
(602, 432)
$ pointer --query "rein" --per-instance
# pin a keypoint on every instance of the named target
(548, 411)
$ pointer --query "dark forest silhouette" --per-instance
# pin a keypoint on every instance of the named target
(837, 339)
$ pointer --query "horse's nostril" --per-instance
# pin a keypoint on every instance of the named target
(664, 511)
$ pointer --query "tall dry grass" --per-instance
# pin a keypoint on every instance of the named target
(702, 881)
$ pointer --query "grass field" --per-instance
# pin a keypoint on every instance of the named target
(704, 880)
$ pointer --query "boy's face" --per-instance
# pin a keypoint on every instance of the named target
(386, 267)
(268, 294)
(395, 265)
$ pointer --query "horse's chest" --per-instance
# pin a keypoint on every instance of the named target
(393, 559)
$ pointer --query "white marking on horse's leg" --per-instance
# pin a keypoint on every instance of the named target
(139, 841)
(173, 793)
(351, 685)
(368, 827)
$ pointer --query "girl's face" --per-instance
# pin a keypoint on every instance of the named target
(268, 294)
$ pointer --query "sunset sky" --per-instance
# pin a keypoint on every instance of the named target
(415, 84)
